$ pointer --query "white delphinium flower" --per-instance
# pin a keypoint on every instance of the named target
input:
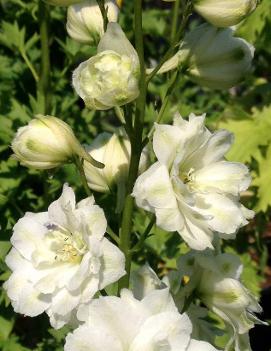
(47, 142)
(125, 323)
(85, 22)
(192, 189)
(60, 259)
(114, 151)
(109, 78)
(213, 57)
(215, 280)
(224, 13)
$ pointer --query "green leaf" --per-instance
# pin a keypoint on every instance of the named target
(263, 182)
(249, 134)
(4, 247)
(253, 26)
(6, 328)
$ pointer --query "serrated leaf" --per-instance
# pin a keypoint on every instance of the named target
(263, 182)
(249, 134)
(253, 26)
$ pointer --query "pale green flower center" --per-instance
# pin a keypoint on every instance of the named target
(67, 246)
(187, 176)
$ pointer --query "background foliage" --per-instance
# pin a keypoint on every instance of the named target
(245, 110)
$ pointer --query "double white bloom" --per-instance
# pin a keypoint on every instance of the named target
(127, 324)
(109, 78)
(191, 188)
(60, 259)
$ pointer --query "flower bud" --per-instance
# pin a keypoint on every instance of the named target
(62, 2)
(111, 77)
(47, 142)
(85, 21)
(212, 57)
(224, 13)
(114, 151)
(216, 59)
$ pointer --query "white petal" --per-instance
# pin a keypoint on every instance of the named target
(85, 338)
(59, 209)
(113, 264)
(195, 231)
(81, 273)
(226, 213)
(196, 345)
(158, 301)
(222, 177)
(24, 297)
(92, 219)
(63, 302)
(28, 235)
(122, 316)
(166, 140)
(213, 150)
(153, 189)
(167, 330)
(170, 219)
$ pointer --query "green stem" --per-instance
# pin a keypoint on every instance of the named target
(169, 92)
(175, 20)
(136, 148)
(144, 236)
(79, 165)
(45, 71)
(112, 234)
(30, 66)
(171, 50)
(103, 12)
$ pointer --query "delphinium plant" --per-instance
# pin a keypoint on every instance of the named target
(81, 264)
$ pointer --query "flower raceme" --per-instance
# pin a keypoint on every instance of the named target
(85, 21)
(125, 323)
(109, 78)
(47, 142)
(60, 259)
(114, 151)
(212, 57)
(192, 189)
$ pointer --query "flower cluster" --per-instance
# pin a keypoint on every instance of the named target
(62, 261)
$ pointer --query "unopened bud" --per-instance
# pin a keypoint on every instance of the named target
(224, 13)
(47, 142)
(114, 151)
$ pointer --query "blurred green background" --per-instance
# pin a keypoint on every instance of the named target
(244, 110)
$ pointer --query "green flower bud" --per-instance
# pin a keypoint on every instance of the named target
(111, 77)
(47, 142)
(114, 151)
(224, 13)
(85, 21)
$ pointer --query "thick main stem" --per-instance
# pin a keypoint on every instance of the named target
(175, 19)
(136, 148)
(45, 69)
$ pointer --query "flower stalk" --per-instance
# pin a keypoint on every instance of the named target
(45, 68)
(136, 148)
